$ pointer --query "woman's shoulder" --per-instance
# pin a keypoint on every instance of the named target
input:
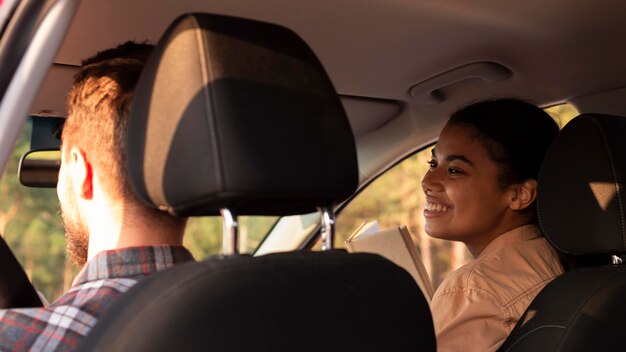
(522, 253)
(509, 272)
(467, 282)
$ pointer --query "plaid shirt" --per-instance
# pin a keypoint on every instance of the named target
(61, 325)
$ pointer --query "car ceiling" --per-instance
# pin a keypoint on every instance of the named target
(376, 50)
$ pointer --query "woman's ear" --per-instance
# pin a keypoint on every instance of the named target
(524, 194)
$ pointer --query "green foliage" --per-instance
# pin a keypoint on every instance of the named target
(203, 236)
(32, 227)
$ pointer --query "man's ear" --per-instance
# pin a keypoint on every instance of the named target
(523, 195)
(82, 175)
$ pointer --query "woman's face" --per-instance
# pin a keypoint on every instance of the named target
(464, 201)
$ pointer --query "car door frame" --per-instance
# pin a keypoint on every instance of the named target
(33, 34)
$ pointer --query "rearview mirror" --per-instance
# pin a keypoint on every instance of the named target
(40, 168)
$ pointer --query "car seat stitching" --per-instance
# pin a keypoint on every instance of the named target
(535, 288)
(208, 95)
(532, 331)
(615, 182)
(578, 308)
(543, 231)
(540, 222)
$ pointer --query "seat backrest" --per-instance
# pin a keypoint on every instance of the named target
(325, 301)
(239, 114)
(581, 210)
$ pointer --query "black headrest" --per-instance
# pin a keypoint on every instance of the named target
(240, 114)
(580, 195)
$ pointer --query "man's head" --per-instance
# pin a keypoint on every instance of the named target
(94, 151)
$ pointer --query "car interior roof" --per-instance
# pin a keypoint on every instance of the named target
(376, 51)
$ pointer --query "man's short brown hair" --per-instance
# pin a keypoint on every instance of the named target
(98, 107)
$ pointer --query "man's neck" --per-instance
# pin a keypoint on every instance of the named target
(120, 226)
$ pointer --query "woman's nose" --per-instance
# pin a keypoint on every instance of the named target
(431, 181)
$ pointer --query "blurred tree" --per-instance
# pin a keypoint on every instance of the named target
(203, 236)
(31, 226)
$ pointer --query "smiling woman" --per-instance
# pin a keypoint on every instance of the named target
(464, 201)
(480, 190)
(393, 200)
(486, 162)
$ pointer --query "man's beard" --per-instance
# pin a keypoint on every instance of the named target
(76, 231)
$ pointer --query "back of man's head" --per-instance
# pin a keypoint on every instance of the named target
(98, 107)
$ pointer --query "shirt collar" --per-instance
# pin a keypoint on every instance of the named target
(131, 261)
(518, 234)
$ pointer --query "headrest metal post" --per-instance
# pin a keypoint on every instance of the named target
(230, 232)
(328, 228)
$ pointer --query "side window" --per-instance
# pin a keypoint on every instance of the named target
(396, 199)
(31, 225)
(562, 113)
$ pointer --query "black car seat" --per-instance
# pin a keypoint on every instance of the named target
(238, 117)
(581, 200)
(16, 290)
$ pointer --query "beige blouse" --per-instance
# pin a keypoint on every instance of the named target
(477, 306)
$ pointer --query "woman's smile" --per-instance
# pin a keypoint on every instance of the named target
(435, 208)
(431, 207)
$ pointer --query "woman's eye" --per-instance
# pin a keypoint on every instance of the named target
(453, 171)
(432, 164)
